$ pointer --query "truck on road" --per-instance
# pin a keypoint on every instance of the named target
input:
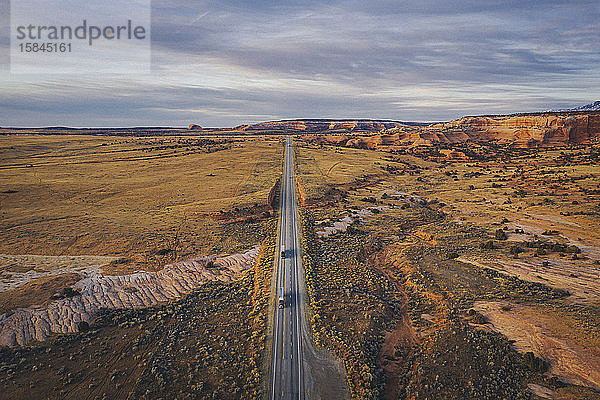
(283, 251)
(281, 298)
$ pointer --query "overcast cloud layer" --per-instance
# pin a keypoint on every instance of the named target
(222, 63)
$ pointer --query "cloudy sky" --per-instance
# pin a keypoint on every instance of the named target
(226, 62)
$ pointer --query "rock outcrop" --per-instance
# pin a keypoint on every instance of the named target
(141, 289)
(547, 129)
(343, 224)
(524, 131)
(540, 130)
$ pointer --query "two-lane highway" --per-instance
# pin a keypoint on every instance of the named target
(287, 375)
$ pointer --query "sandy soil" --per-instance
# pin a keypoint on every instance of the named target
(396, 345)
(589, 244)
(574, 360)
(579, 279)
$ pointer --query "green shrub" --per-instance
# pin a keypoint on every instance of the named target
(478, 319)
(163, 252)
(515, 250)
(489, 245)
(369, 200)
(500, 235)
(534, 363)
(69, 292)
(83, 326)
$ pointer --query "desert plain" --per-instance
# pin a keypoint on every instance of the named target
(453, 260)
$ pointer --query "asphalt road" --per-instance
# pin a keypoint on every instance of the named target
(288, 367)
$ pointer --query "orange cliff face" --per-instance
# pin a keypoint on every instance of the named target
(523, 130)
(539, 130)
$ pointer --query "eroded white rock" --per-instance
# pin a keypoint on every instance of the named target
(343, 224)
(138, 290)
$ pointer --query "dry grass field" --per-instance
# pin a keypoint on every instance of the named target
(133, 198)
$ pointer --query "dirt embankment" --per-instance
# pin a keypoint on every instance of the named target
(141, 289)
